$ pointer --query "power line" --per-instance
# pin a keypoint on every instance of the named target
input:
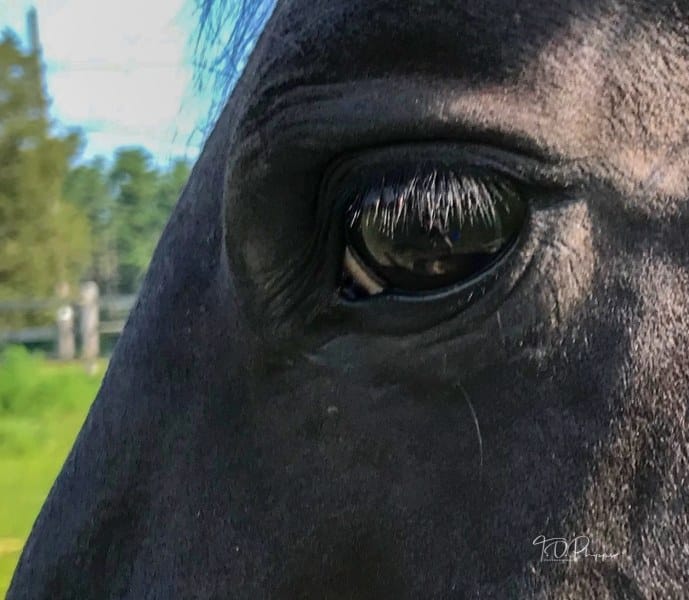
(109, 67)
(115, 67)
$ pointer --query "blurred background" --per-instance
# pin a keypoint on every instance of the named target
(101, 117)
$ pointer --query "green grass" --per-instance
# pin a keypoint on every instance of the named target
(42, 407)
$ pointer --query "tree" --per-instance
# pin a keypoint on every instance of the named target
(127, 207)
(143, 199)
(44, 241)
(170, 185)
(87, 188)
(135, 219)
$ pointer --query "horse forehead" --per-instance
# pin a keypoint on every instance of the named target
(604, 80)
(494, 37)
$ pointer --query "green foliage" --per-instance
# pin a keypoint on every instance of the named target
(86, 188)
(60, 225)
(16, 369)
(137, 216)
(41, 404)
(43, 240)
(127, 206)
(42, 407)
(31, 387)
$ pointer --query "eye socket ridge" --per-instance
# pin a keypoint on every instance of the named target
(417, 228)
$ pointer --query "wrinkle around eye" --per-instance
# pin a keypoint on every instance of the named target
(329, 119)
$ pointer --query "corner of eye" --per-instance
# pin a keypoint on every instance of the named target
(360, 275)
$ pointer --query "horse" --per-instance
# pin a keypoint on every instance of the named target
(417, 326)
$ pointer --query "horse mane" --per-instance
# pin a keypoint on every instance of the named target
(226, 33)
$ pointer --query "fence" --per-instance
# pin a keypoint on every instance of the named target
(79, 321)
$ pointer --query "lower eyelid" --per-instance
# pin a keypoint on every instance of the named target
(363, 278)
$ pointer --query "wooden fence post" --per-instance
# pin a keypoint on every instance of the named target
(90, 342)
(66, 348)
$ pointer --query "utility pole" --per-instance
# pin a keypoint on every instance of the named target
(32, 31)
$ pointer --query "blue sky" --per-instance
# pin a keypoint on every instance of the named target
(120, 70)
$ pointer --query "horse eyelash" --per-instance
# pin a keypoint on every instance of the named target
(437, 200)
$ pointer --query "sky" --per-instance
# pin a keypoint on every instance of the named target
(119, 70)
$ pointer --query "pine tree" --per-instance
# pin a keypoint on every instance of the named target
(44, 241)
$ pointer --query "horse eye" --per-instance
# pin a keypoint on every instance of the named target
(433, 230)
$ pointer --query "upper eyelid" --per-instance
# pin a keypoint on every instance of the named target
(527, 169)
(523, 169)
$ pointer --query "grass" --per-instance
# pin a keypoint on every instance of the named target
(42, 407)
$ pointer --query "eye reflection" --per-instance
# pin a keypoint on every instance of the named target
(433, 230)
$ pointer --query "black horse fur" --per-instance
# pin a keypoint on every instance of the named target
(259, 436)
